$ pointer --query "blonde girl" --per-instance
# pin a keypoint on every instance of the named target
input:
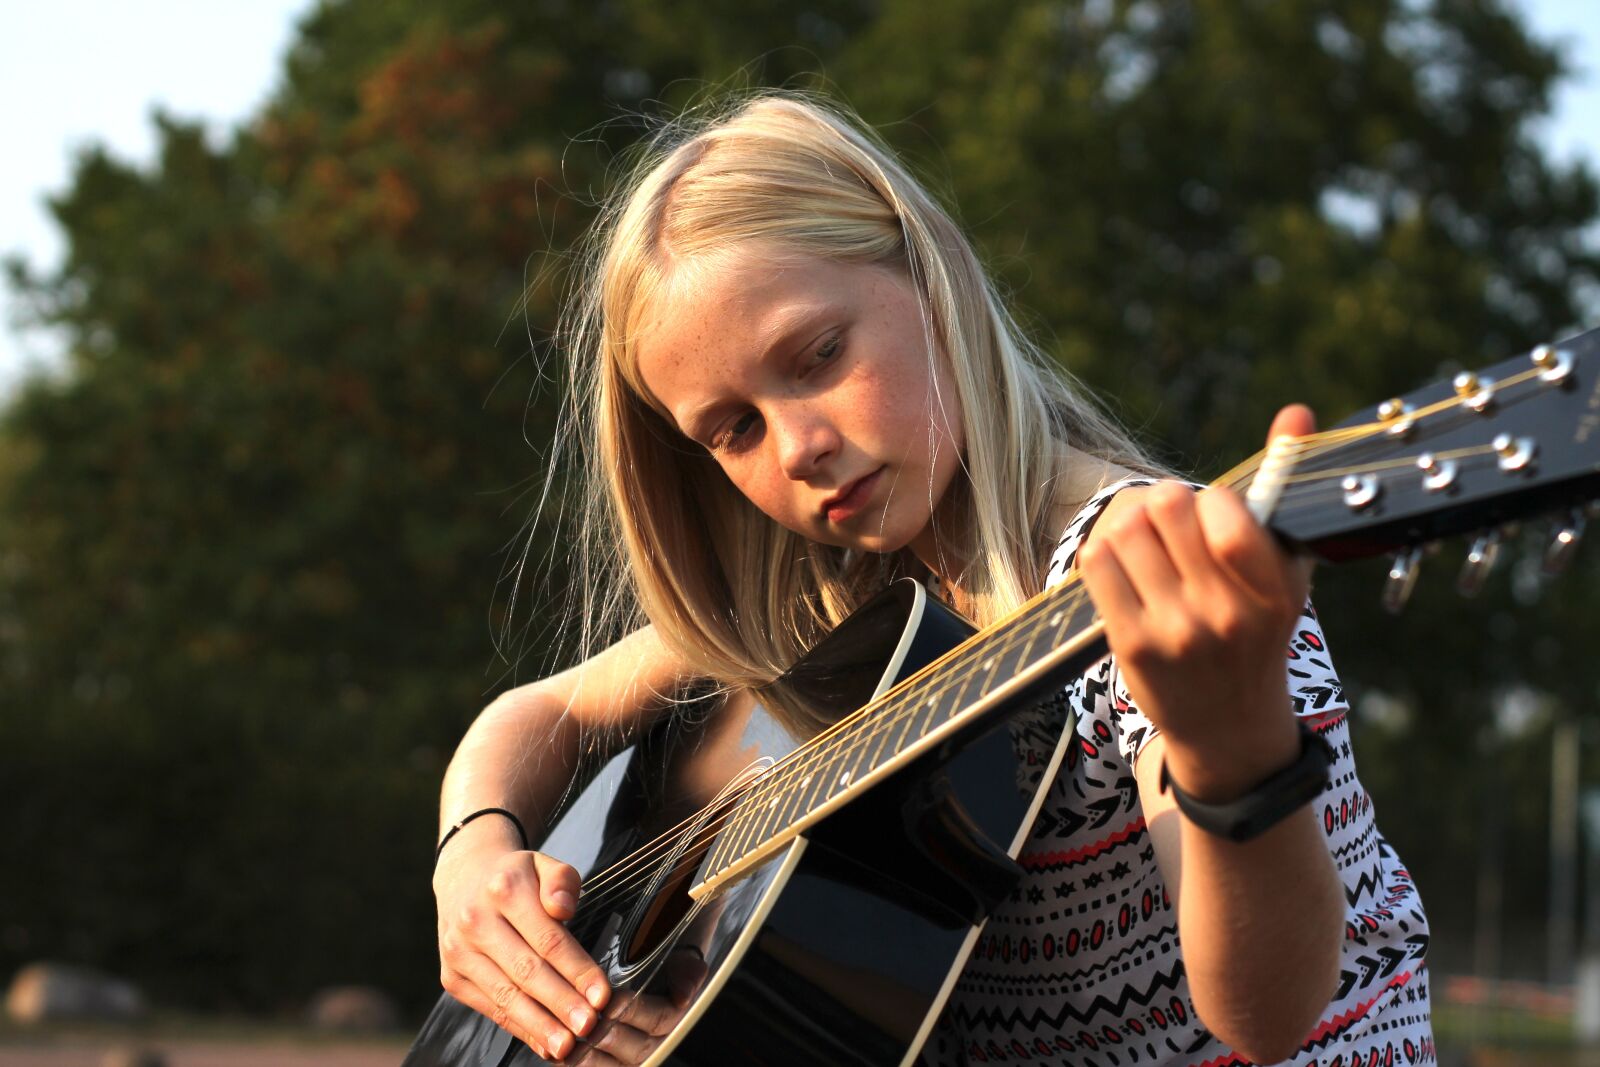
(797, 383)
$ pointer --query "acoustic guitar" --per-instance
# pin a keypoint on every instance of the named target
(820, 867)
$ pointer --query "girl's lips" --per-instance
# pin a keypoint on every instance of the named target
(852, 500)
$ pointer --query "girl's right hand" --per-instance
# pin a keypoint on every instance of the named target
(503, 948)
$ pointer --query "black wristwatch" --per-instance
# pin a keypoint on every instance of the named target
(1269, 802)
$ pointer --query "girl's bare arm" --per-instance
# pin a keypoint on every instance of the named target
(503, 948)
(1261, 920)
(1199, 603)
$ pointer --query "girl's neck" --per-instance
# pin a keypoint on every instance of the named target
(944, 547)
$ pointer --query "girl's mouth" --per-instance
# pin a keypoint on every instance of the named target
(852, 499)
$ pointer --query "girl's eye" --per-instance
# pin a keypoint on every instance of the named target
(826, 351)
(736, 435)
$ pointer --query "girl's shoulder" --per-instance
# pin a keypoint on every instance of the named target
(1111, 497)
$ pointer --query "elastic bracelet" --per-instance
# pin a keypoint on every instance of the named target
(456, 829)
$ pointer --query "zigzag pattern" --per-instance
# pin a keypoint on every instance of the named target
(1054, 860)
(1370, 881)
(1231, 1059)
(1359, 842)
(1060, 977)
(1323, 721)
(1336, 1026)
(995, 1019)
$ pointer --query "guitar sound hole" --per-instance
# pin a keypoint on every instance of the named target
(662, 913)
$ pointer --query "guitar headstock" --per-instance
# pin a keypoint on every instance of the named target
(1512, 441)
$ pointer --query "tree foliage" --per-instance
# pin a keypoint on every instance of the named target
(249, 583)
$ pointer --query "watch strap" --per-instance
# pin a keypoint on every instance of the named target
(1269, 802)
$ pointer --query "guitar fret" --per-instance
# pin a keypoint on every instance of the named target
(791, 793)
(722, 853)
(828, 774)
(762, 822)
(905, 728)
(801, 776)
(1032, 632)
(742, 831)
(966, 678)
(925, 717)
(855, 758)
(882, 728)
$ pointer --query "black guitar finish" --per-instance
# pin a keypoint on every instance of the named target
(836, 951)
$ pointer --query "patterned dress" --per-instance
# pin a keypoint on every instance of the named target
(1082, 965)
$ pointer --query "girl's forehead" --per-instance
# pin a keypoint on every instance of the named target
(743, 276)
(737, 300)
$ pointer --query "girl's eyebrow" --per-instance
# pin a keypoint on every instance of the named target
(790, 322)
(788, 325)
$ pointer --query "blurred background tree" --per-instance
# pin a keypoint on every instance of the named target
(249, 596)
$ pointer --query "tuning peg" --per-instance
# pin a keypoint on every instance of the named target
(1402, 579)
(1564, 542)
(1396, 415)
(1555, 364)
(1480, 561)
(1475, 392)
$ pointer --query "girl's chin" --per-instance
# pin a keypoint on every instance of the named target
(876, 542)
(879, 544)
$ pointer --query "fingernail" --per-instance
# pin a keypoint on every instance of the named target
(558, 1043)
(580, 1019)
(564, 900)
(596, 995)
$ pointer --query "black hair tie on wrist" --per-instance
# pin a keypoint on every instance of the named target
(478, 814)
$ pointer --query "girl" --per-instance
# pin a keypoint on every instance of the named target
(799, 384)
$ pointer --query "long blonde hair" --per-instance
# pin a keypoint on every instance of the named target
(664, 536)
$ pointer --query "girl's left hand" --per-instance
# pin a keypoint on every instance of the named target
(1199, 603)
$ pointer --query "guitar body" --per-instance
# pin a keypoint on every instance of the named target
(842, 947)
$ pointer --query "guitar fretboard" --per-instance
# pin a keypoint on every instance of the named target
(1052, 634)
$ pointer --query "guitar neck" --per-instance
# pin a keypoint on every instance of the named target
(1519, 438)
(1050, 637)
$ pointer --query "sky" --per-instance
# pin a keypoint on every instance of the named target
(78, 72)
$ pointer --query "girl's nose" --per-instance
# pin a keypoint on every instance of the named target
(804, 439)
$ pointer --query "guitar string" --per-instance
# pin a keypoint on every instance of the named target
(815, 746)
(711, 828)
(816, 752)
(749, 803)
(749, 808)
(740, 802)
(820, 752)
(998, 643)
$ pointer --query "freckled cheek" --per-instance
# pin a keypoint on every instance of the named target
(881, 405)
(773, 497)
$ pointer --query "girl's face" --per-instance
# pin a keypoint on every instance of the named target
(811, 384)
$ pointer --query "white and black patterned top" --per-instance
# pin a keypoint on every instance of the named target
(1082, 965)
